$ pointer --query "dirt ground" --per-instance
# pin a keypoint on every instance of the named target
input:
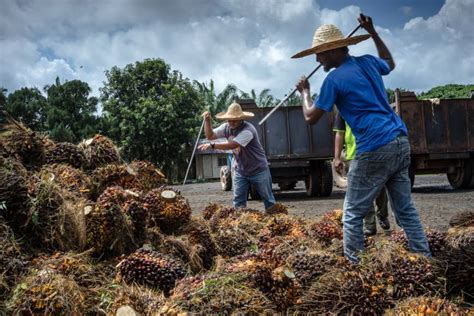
(435, 199)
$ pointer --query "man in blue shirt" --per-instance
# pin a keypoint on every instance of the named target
(356, 87)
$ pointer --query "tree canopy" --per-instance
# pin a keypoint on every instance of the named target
(449, 91)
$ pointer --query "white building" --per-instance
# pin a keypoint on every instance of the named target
(209, 162)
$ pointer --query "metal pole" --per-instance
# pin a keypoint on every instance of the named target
(194, 150)
(294, 90)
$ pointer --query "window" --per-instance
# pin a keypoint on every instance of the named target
(222, 161)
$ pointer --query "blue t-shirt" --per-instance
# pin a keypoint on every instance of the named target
(356, 88)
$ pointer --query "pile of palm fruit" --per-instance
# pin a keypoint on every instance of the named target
(84, 233)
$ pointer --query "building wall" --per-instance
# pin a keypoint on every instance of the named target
(208, 166)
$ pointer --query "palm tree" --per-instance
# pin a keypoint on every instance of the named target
(216, 103)
(264, 98)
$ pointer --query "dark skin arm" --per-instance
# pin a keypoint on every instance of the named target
(384, 53)
(311, 113)
(338, 144)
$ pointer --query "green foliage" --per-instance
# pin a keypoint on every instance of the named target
(213, 102)
(152, 113)
(70, 112)
(449, 91)
(28, 105)
(3, 96)
(263, 99)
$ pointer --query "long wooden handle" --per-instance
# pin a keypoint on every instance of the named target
(194, 150)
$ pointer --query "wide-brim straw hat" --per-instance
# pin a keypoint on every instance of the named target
(234, 112)
(328, 37)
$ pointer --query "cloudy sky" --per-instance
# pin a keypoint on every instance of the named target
(244, 42)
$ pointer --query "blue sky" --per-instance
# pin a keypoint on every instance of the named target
(244, 42)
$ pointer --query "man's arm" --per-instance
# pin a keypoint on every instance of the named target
(208, 126)
(223, 146)
(311, 113)
(338, 144)
(384, 53)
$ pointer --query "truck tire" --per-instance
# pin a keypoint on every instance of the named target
(287, 186)
(226, 178)
(319, 181)
(462, 178)
(254, 193)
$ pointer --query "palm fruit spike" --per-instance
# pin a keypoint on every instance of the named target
(424, 305)
(14, 200)
(113, 175)
(436, 240)
(199, 234)
(231, 241)
(149, 177)
(68, 177)
(22, 144)
(151, 268)
(99, 151)
(167, 212)
(308, 265)
(65, 153)
(325, 231)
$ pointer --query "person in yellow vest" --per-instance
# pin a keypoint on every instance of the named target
(345, 137)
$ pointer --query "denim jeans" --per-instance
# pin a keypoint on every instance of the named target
(262, 182)
(369, 172)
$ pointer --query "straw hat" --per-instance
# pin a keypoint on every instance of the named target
(234, 112)
(327, 37)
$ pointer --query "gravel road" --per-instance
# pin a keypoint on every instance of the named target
(435, 199)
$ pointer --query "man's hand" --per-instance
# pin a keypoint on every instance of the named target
(206, 115)
(303, 84)
(366, 22)
(338, 165)
(204, 147)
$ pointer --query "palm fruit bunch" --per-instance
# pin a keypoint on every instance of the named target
(167, 209)
(427, 305)
(148, 175)
(250, 222)
(21, 143)
(404, 274)
(151, 268)
(114, 175)
(282, 225)
(217, 293)
(308, 265)
(326, 231)
(232, 241)
(65, 153)
(114, 225)
(69, 178)
(277, 208)
(47, 292)
(221, 216)
(334, 216)
(14, 199)
(344, 291)
(198, 234)
(210, 210)
(12, 261)
(142, 300)
(436, 240)
(459, 255)
(99, 151)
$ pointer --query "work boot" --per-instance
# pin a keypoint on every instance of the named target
(384, 222)
(369, 232)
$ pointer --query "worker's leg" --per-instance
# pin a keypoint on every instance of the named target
(382, 209)
(399, 189)
(370, 227)
(367, 175)
(241, 190)
(263, 183)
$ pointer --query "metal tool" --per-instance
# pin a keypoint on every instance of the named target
(294, 90)
(194, 150)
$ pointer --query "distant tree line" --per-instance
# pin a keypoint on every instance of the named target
(149, 110)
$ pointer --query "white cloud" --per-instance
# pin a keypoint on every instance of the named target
(244, 42)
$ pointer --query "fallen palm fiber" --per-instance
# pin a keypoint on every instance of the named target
(68, 177)
(151, 268)
(99, 151)
(65, 153)
(272, 277)
(425, 305)
(21, 143)
(57, 218)
(141, 299)
(222, 293)
(168, 213)
(199, 237)
(149, 176)
(436, 240)
(12, 261)
(14, 197)
(116, 224)
(113, 175)
(47, 292)
(462, 219)
(401, 273)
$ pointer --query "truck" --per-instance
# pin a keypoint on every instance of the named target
(441, 134)
(295, 150)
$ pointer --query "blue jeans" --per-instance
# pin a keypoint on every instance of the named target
(369, 172)
(262, 182)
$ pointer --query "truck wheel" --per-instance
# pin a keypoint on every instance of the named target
(319, 181)
(226, 178)
(286, 186)
(254, 193)
(461, 179)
